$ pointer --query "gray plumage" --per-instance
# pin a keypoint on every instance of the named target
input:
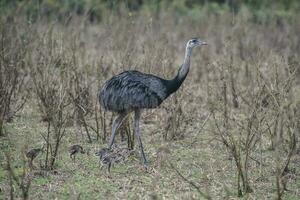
(75, 149)
(113, 156)
(103, 155)
(133, 91)
(33, 153)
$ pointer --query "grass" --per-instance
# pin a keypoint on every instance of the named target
(198, 157)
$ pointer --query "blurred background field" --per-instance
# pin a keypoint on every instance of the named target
(230, 132)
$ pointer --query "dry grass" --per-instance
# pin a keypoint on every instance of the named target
(237, 112)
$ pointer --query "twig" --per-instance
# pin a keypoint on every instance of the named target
(206, 196)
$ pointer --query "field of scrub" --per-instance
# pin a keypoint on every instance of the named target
(230, 132)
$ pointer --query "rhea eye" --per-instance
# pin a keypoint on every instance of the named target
(194, 40)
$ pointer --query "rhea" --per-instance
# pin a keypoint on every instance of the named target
(75, 149)
(133, 91)
(31, 154)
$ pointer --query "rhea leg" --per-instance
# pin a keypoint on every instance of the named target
(116, 124)
(31, 163)
(138, 135)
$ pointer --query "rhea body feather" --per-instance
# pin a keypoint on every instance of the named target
(131, 90)
(75, 149)
(32, 153)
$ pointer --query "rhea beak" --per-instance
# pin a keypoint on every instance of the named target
(200, 42)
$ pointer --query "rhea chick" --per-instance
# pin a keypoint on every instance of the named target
(110, 157)
(31, 154)
(75, 149)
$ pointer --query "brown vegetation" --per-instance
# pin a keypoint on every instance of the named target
(240, 102)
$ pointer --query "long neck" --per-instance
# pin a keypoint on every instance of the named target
(176, 82)
(185, 67)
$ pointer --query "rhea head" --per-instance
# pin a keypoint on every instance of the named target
(195, 42)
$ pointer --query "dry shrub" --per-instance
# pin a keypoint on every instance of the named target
(252, 113)
(22, 181)
(13, 76)
(50, 79)
(82, 101)
(176, 120)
